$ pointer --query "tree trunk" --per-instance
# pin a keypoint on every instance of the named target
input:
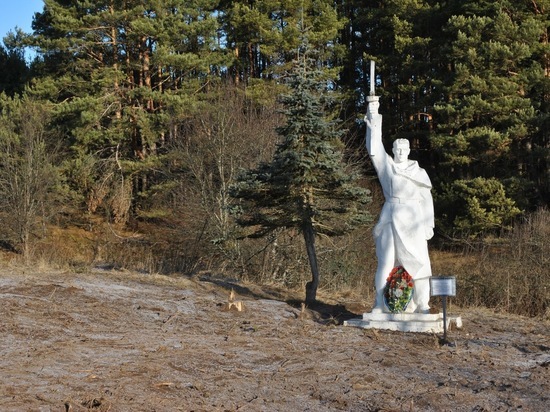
(311, 287)
(114, 42)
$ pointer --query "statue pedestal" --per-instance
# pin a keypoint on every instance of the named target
(405, 322)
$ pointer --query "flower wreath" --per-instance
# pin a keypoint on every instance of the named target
(398, 290)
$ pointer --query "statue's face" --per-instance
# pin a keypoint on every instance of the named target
(401, 152)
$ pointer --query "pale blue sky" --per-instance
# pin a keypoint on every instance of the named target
(18, 13)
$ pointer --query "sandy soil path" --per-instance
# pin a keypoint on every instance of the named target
(120, 341)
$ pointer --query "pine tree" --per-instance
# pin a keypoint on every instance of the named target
(123, 73)
(487, 118)
(263, 34)
(306, 185)
(475, 206)
(535, 150)
(404, 38)
(14, 72)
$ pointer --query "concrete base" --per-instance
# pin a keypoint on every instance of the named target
(405, 322)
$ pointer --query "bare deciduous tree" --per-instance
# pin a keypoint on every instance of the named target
(232, 133)
(27, 174)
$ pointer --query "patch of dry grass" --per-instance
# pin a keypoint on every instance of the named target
(507, 274)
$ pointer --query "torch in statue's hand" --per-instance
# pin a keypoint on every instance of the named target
(372, 100)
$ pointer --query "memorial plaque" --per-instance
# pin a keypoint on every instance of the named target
(443, 286)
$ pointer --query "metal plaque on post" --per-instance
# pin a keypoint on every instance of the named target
(443, 286)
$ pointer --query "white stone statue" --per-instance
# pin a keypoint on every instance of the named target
(407, 217)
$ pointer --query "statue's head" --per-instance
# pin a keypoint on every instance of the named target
(401, 150)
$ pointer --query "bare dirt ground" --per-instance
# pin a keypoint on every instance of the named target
(120, 341)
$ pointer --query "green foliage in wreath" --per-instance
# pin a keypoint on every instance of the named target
(398, 290)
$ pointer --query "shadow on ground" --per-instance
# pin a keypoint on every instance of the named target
(325, 313)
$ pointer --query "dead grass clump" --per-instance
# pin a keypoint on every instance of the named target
(509, 273)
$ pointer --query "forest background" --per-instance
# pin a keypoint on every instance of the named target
(121, 140)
